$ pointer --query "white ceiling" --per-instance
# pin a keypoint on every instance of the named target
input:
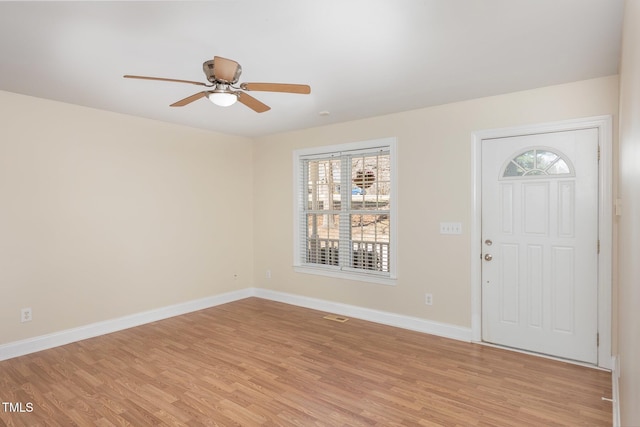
(362, 58)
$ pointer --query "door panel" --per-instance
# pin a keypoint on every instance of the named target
(540, 213)
(536, 208)
(509, 281)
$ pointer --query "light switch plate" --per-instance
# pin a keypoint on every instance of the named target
(450, 228)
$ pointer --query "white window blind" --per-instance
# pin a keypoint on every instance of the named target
(345, 213)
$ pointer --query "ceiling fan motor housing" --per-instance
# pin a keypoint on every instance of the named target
(222, 74)
(209, 71)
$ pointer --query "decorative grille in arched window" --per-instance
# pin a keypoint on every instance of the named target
(537, 162)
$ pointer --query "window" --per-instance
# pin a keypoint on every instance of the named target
(536, 162)
(345, 211)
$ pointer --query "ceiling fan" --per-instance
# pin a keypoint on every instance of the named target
(222, 74)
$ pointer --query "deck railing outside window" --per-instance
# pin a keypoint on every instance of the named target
(365, 255)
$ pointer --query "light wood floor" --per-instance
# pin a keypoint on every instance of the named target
(261, 363)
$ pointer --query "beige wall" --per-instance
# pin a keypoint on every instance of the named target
(105, 215)
(629, 221)
(434, 158)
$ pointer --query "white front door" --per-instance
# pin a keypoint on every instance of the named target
(540, 243)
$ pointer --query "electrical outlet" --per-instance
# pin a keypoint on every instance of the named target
(268, 274)
(428, 299)
(450, 228)
(25, 315)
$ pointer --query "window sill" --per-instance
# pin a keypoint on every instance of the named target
(347, 275)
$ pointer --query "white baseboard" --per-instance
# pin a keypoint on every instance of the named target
(43, 342)
(392, 319)
(615, 390)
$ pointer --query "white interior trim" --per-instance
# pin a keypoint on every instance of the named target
(459, 333)
(341, 274)
(615, 390)
(55, 339)
(605, 221)
(298, 266)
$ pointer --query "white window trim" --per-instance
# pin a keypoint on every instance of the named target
(298, 200)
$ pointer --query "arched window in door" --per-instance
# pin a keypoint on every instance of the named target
(538, 162)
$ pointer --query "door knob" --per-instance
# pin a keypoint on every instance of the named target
(488, 257)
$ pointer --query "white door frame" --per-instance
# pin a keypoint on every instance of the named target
(605, 220)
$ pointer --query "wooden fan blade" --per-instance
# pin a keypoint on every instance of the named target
(127, 76)
(225, 69)
(189, 99)
(277, 87)
(252, 103)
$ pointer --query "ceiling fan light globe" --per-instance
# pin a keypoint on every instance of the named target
(223, 99)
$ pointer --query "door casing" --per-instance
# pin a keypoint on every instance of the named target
(605, 220)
